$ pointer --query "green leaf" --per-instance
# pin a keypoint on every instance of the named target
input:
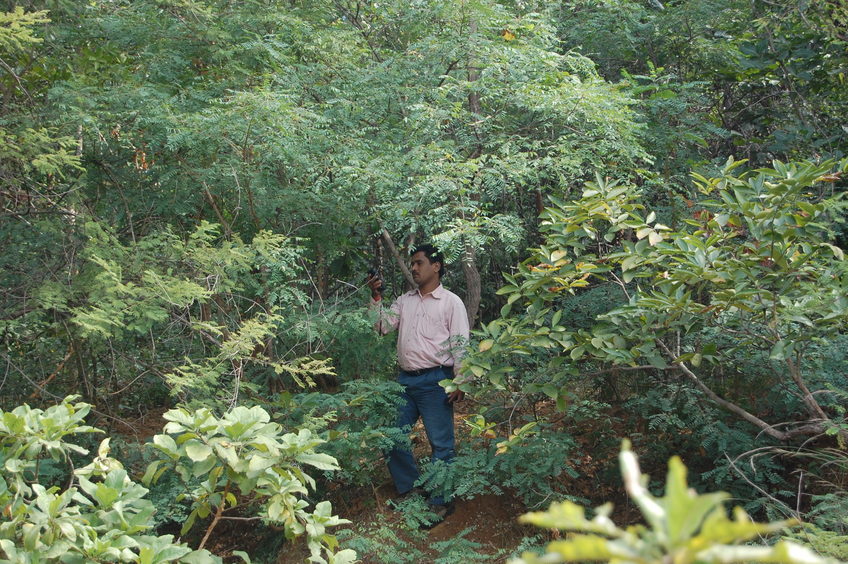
(550, 390)
(657, 361)
(654, 238)
(508, 289)
(562, 403)
(556, 317)
(197, 451)
(166, 443)
(686, 510)
(243, 555)
(837, 252)
(319, 460)
(778, 351)
(189, 522)
(587, 548)
(259, 464)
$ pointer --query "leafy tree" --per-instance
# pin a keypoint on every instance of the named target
(752, 276)
(192, 293)
(497, 119)
(36, 160)
(765, 74)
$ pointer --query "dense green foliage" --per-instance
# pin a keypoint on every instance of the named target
(641, 204)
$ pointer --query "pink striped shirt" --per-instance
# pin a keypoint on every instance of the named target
(432, 328)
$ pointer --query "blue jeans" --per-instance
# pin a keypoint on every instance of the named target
(427, 399)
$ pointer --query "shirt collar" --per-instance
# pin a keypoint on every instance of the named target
(437, 293)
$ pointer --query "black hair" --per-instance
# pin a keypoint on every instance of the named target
(433, 255)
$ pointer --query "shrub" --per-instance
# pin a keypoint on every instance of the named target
(241, 460)
(101, 515)
(682, 527)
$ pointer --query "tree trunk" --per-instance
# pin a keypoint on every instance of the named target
(469, 258)
(321, 281)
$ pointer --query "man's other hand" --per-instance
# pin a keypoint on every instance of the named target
(456, 396)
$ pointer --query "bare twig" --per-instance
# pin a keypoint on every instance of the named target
(11, 71)
(387, 238)
(789, 510)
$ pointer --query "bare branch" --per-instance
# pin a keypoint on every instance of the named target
(11, 71)
(732, 407)
(387, 238)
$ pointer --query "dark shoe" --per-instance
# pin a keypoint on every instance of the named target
(440, 513)
(415, 496)
(413, 492)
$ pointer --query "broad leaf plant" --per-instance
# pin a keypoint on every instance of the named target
(752, 273)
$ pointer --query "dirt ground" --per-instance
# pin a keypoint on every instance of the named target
(141, 428)
(493, 519)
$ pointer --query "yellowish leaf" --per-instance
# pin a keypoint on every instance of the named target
(654, 238)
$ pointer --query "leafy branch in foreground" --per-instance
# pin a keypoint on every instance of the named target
(100, 516)
(682, 527)
(243, 459)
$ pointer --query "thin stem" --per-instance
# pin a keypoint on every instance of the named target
(218, 515)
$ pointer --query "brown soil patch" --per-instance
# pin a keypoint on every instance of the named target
(143, 427)
(494, 518)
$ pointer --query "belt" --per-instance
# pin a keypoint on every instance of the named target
(426, 370)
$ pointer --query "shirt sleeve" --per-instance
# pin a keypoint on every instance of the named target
(459, 336)
(387, 320)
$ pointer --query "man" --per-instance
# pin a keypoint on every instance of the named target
(432, 327)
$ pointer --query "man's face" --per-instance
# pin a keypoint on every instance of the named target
(424, 271)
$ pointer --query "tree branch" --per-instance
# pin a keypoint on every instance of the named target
(387, 238)
(50, 378)
(218, 514)
(729, 406)
(227, 231)
(809, 401)
(11, 71)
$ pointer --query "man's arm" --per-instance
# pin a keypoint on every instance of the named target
(387, 321)
(459, 336)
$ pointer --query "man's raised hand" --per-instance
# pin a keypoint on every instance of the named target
(375, 283)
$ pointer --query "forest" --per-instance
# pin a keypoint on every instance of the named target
(641, 204)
